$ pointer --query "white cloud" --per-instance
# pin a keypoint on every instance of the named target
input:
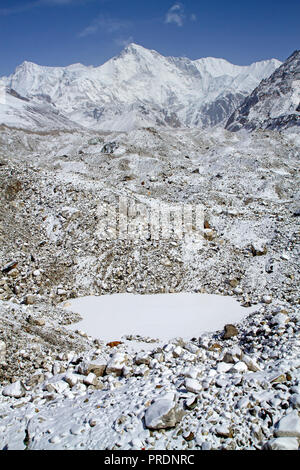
(104, 23)
(123, 42)
(176, 15)
(39, 3)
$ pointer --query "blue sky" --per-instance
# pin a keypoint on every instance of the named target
(61, 32)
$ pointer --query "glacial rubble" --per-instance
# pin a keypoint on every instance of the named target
(207, 393)
(237, 388)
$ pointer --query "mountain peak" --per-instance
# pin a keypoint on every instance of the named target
(275, 103)
(137, 50)
(141, 87)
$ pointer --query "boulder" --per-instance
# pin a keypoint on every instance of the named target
(109, 148)
(8, 267)
(230, 331)
(14, 390)
(295, 400)
(192, 385)
(258, 248)
(163, 413)
(289, 426)
(98, 368)
(116, 363)
(282, 443)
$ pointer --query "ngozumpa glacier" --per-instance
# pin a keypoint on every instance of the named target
(165, 131)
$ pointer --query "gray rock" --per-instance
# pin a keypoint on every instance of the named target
(289, 426)
(109, 148)
(282, 443)
(164, 413)
(2, 350)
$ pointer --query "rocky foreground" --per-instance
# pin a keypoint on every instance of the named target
(232, 389)
(235, 389)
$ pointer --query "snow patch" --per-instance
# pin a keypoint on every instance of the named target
(162, 316)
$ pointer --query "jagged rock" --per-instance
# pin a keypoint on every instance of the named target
(258, 248)
(90, 379)
(8, 267)
(295, 401)
(72, 379)
(164, 413)
(36, 321)
(142, 358)
(29, 299)
(192, 385)
(98, 368)
(289, 426)
(239, 367)
(58, 387)
(15, 390)
(224, 431)
(282, 443)
(230, 331)
(116, 364)
(251, 363)
(267, 299)
(109, 148)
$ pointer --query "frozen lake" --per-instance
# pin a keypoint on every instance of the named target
(162, 316)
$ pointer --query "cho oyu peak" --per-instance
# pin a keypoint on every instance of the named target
(137, 88)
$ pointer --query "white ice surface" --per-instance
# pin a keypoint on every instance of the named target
(161, 316)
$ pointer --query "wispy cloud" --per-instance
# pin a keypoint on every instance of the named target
(27, 6)
(176, 15)
(124, 42)
(104, 23)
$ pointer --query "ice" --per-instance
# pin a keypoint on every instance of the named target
(162, 316)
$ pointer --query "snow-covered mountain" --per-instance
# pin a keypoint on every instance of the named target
(275, 103)
(138, 88)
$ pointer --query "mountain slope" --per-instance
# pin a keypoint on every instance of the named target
(18, 111)
(275, 103)
(140, 88)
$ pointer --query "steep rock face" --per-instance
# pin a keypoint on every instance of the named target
(141, 88)
(275, 103)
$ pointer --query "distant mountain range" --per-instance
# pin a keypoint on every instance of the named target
(138, 88)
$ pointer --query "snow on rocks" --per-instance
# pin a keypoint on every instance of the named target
(192, 385)
(2, 350)
(240, 386)
(163, 413)
(15, 390)
(98, 368)
(289, 426)
(295, 400)
(116, 363)
(282, 443)
(239, 367)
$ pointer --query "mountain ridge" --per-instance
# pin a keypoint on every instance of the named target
(274, 103)
(140, 88)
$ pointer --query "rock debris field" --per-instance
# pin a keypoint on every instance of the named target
(231, 384)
